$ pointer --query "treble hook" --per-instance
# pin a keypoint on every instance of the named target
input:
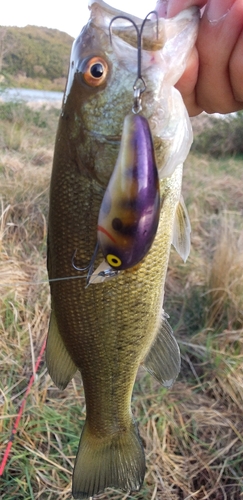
(138, 90)
(90, 266)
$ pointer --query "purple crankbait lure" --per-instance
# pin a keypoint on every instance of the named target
(129, 212)
(130, 209)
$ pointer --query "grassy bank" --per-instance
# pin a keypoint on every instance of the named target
(193, 433)
(34, 57)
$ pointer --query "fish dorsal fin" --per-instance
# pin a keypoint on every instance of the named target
(163, 360)
(181, 231)
(59, 363)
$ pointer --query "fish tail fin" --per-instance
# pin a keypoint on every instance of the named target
(116, 460)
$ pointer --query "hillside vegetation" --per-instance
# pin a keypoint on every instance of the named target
(192, 433)
(34, 57)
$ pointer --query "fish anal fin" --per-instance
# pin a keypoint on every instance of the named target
(59, 363)
(181, 231)
(116, 460)
(163, 360)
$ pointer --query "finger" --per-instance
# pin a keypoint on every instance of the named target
(236, 70)
(161, 8)
(187, 83)
(176, 6)
(219, 31)
(170, 8)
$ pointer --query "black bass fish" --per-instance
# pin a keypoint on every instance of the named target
(106, 330)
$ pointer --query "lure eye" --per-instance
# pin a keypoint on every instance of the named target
(95, 71)
(113, 260)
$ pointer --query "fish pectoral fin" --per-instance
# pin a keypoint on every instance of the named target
(59, 362)
(114, 460)
(163, 360)
(181, 231)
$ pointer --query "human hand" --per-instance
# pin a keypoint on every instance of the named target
(213, 79)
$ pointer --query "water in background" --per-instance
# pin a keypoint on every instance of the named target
(32, 96)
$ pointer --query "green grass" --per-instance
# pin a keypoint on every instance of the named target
(192, 433)
(34, 57)
(222, 138)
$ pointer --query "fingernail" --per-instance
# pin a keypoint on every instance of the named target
(161, 7)
(218, 9)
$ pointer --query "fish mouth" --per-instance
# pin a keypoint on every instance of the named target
(111, 139)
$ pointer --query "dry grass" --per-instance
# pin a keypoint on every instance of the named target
(193, 434)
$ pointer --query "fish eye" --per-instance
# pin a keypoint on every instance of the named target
(95, 71)
(113, 260)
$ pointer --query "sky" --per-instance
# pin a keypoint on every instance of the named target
(68, 16)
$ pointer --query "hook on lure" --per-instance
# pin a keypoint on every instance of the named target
(139, 85)
(89, 267)
(102, 272)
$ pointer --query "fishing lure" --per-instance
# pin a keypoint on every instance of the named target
(129, 213)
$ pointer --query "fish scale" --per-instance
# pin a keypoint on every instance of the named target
(104, 320)
(106, 330)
